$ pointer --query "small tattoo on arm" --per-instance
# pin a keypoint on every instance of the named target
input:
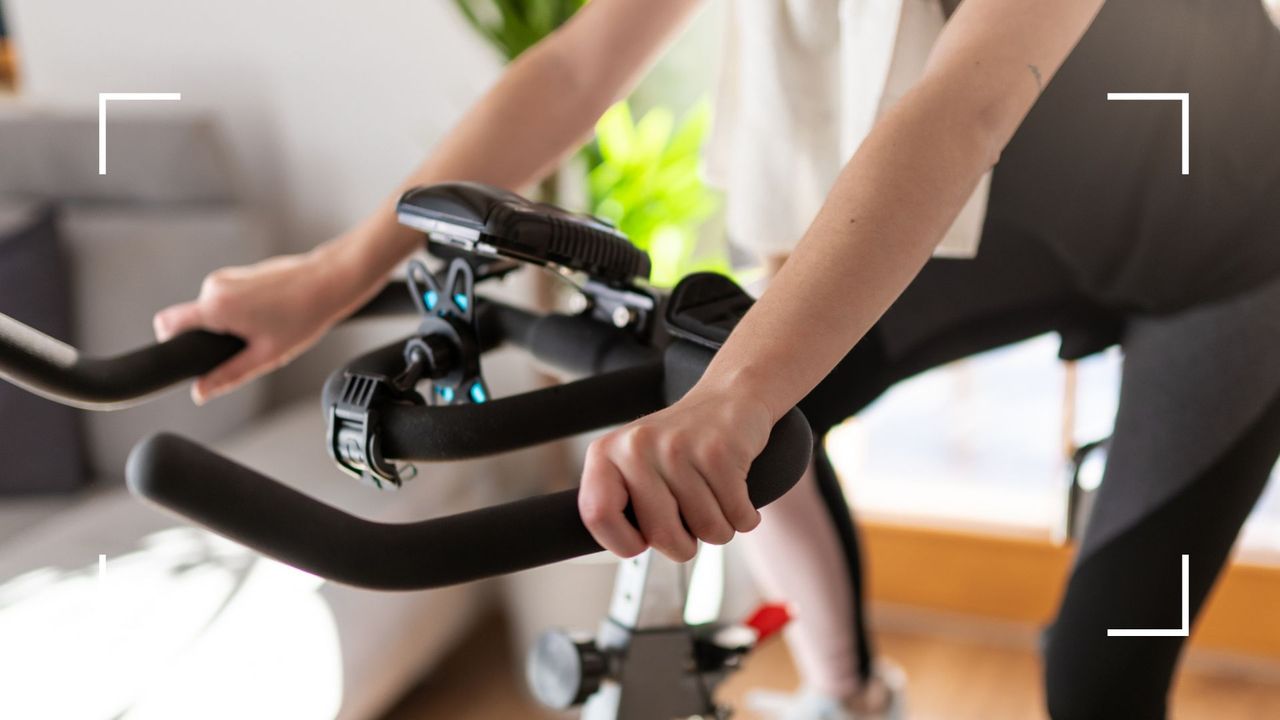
(1035, 71)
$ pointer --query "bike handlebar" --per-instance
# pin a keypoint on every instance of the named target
(259, 512)
(278, 521)
(57, 371)
(626, 378)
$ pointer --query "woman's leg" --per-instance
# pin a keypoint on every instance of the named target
(796, 555)
(1134, 581)
(805, 551)
(1197, 435)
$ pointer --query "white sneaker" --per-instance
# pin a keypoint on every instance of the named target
(886, 692)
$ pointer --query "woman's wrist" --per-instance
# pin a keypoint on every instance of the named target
(743, 386)
(357, 263)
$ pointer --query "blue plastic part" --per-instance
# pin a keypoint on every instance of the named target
(478, 394)
(445, 392)
(461, 301)
(430, 297)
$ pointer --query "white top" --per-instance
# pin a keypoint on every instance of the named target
(802, 83)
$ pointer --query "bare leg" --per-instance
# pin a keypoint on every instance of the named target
(796, 557)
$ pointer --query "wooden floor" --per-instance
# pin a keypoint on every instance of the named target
(950, 679)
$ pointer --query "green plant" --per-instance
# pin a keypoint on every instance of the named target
(646, 179)
(513, 26)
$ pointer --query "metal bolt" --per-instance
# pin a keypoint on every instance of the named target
(622, 316)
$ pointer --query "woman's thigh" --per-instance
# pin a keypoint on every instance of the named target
(1014, 289)
(1133, 580)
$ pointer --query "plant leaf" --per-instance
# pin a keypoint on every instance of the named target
(615, 133)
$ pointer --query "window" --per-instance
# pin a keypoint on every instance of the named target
(981, 442)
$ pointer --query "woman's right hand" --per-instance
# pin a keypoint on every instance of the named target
(279, 307)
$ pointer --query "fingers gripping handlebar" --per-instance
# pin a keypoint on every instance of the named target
(55, 370)
(59, 372)
(248, 507)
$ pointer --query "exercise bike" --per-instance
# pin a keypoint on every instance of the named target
(425, 399)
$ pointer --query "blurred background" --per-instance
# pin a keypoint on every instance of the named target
(296, 118)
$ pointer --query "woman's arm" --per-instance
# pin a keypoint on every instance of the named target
(539, 110)
(542, 108)
(887, 211)
(896, 198)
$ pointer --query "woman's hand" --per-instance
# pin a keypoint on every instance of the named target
(683, 470)
(279, 307)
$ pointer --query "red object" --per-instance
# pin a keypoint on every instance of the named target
(769, 619)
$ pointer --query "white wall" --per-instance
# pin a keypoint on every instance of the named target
(326, 103)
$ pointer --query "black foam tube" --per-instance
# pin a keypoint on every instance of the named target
(454, 432)
(392, 300)
(576, 344)
(52, 369)
(498, 323)
(583, 346)
(277, 521)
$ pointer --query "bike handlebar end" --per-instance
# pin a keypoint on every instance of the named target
(142, 470)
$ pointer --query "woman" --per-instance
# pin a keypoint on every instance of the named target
(1087, 218)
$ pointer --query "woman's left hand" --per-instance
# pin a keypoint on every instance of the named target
(683, 469)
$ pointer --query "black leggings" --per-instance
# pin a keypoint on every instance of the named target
(1156, 503)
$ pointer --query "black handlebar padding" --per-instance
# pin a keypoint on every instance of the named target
(110, 383)
(497, 323)
(455, 432)
(583, 346)
(391, 301)
(684, 364)
(247, 507)
(577, 344)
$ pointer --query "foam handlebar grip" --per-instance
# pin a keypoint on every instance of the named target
(456, 432)
(47, 367)
(280, 522)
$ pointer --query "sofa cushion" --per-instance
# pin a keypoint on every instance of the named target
(129, 261)
(39, 439)
(155, 155)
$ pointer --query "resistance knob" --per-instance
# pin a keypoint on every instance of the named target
(564, 671)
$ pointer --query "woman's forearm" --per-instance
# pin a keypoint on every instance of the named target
(896, 198)
(510, 138)
(540, 110)
(885, 214)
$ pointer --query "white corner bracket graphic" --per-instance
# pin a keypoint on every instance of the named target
(103, 98)
(1185, 99)
(1183, 631)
